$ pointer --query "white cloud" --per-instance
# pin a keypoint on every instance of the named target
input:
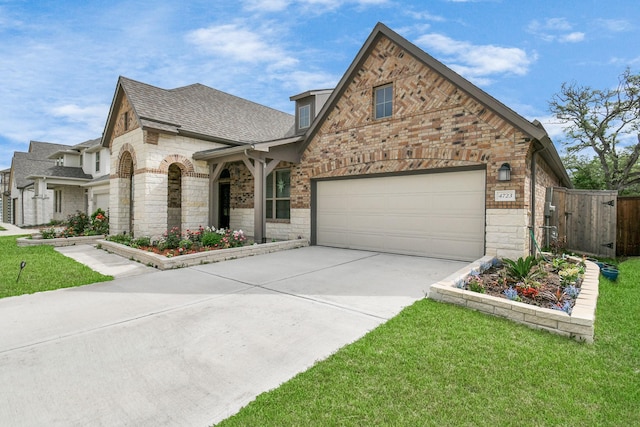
(304, 80)
(236, 43)
(92, 116)
(426, 16)
(478, 62)
(615, 25)
(266, 5)
(572, 37)
(555, 29)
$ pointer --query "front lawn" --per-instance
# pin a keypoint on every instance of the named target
(45, 269)
(443, 365)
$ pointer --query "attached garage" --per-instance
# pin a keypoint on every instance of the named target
(440, 215)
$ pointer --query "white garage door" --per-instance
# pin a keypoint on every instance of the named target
(438, 215)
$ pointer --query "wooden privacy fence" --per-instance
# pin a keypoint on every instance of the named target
(585, 220)
(628, 224)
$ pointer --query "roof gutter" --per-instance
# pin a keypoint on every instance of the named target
(244, 148)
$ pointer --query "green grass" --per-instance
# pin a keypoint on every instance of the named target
(2, 228)
(45, 269)
(441, 365)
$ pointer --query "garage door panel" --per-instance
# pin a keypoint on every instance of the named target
(439, 215)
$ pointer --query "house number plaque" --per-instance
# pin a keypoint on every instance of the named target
(505, 195)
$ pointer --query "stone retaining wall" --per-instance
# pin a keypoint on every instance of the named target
(578, 325)
(163, 263)
(60, 241)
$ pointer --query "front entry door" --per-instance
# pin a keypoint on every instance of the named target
(224, 202)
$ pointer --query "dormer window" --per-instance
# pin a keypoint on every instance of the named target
(60, 161)
(304, 116)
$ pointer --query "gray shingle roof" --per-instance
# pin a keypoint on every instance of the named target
(37, 163)
(201, 110)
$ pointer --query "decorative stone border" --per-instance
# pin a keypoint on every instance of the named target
(161, 262)
(578, 325)
(59, 241)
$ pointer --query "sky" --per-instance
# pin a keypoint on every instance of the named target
(60, 59)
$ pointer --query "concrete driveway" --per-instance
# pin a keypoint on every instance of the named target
(194, 345)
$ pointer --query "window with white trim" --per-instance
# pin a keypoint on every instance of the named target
(97, 161)
(383, 101)
(304, 116)
(278, 194)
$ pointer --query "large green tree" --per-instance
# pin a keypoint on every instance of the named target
(607, 122)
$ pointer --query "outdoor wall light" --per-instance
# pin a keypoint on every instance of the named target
(504, 173)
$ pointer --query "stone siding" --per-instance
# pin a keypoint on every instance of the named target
(298, 227)
(506, 232)
(150, 182)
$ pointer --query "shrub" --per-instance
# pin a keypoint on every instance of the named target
(76, 224)
(48, 233)
(123, 239)
(522, 268)
(211, 239)
(99, 222)
(140, 241)
(232, 239)
(171, 239)
(185, 244)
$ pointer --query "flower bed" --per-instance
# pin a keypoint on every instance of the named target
(162, 262)
(579, 324)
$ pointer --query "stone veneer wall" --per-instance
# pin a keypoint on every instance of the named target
(506, 232)
(152, 157)
(298, 227)
(578, 325)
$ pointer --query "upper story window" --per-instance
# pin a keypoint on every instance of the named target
(81, 159)
(60, 161)
(304, 116)
(97, 161)
(125, 120)
(383, 101)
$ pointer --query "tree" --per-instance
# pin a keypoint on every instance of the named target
(606, 121)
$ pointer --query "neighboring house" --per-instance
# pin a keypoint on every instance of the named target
(152, 134)
(53, 181)
(30, 201)
(403, 156)
(81, 180)
(5, 204)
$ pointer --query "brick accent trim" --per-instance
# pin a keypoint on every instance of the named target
(123, 170)
(183, 163)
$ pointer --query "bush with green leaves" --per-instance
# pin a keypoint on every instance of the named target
(99, 222)
(522, 268)
(211, 239)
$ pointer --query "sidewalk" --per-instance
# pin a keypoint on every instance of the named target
(98, 260)
(12, 230)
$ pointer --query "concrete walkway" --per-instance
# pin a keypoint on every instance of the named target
(192, 346)
(12, 230)
(104, 262)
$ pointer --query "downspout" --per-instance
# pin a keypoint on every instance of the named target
(532, 225)
(22, 207)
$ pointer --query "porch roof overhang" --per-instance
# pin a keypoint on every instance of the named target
(279, 149)
(56, 180)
